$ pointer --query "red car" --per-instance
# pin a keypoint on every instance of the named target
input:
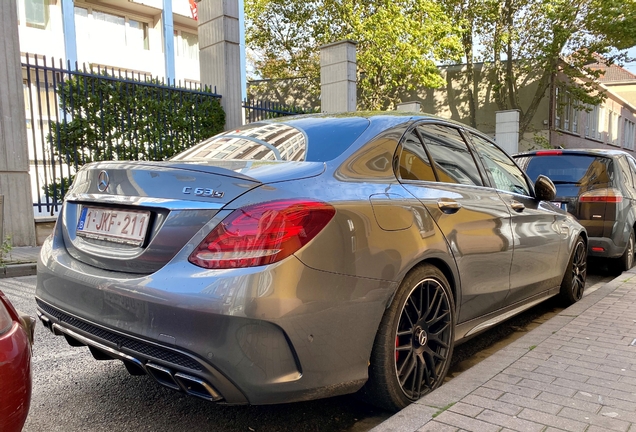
(16, 338)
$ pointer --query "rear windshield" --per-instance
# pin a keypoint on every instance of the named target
(568, 169)
(312, 139)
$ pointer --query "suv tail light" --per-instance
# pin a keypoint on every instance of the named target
(609, 195)
(549, 153)
(262, 234)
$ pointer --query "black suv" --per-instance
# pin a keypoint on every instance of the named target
(599, 188)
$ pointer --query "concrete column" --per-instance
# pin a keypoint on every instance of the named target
(70, 36)
(409, 107)
(507, 130)
(167, 26)
(220, 55)
(15, 183)
(338, 77)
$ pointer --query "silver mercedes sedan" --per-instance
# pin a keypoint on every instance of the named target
(306, 257)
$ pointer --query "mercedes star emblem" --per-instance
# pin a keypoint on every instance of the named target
(102, 181)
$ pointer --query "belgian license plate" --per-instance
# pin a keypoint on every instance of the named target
(118, 226)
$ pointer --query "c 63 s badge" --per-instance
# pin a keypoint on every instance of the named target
(203, 192)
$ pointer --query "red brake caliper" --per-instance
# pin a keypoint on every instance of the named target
(397, 344)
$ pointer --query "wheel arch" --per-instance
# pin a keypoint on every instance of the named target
(447, 269)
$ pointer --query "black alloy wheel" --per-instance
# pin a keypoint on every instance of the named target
(414, 344)
(423, 339)
(573, 283)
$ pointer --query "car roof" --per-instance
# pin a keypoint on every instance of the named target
(590, 152)
(393, 117)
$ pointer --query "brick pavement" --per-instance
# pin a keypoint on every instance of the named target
(576, 372)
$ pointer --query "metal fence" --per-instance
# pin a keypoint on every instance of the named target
(262, 110)
(76, 116)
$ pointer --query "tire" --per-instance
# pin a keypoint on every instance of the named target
(626, 261)
(573, 282)
(414, 345)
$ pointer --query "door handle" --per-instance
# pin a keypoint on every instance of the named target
(448, 206)
(517, 206)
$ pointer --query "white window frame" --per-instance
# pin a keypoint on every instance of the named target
(148, 22)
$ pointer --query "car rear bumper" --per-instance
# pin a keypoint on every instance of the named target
(271, 334)
(609, 248)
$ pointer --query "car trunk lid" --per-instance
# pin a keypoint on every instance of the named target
(135, 216)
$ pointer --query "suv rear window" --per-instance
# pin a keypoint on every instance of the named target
(568, 169)
(312, 139)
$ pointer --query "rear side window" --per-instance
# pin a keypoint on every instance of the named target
(570, 169)
(453, 160)
(414, 162)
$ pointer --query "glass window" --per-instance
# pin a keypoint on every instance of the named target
(37, 13)
(624, 165)
(414, 162)
(503, 172)
(453, 161)
(632, 167)
(137, 35)
(112, 25)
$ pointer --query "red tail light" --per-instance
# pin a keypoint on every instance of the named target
(548, 152)
(262, 234)
(607, 195)
(6, 320)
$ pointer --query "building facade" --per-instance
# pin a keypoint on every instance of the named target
(120, 34)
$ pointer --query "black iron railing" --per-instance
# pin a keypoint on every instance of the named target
(262, 110)
(76, 116)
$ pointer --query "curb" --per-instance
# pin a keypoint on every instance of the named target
(16, 270)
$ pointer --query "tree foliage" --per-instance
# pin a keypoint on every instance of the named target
(546, 37)
(400, 42)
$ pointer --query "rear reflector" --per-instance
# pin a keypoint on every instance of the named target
(548, 152)
(608, 195)
(598, 249)
(262, 234)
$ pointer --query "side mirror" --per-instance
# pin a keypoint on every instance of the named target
(544, 189)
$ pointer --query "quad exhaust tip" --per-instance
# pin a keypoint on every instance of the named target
(176, 381)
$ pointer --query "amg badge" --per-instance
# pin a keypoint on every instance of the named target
(204, 192)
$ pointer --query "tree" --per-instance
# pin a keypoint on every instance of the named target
(400, 42)
(530, 40)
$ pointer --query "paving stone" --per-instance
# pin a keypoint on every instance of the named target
(554, 387)
(536, 404)
(510, 388)
(585, 404)
(494, 405)
(552, 420)
(509, 421)
(609, 423)
(465, 408)
(519, 373)
(575, 385)
(488, 393)
(437, 427)
(468, 423)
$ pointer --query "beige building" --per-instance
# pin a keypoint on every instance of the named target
(609, 125)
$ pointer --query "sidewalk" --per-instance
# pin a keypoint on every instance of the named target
(20, 261)
(576, 372)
